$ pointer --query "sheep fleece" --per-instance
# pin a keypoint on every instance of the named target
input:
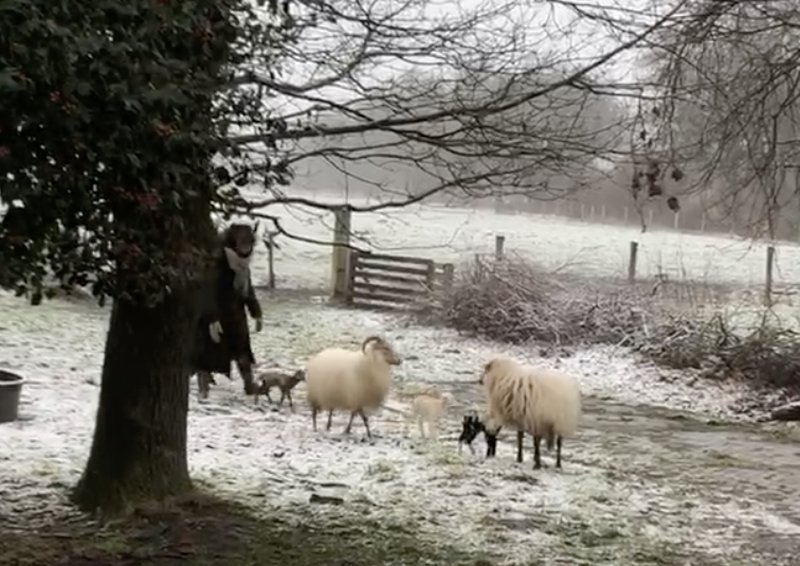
(539, 401)
(344, 379)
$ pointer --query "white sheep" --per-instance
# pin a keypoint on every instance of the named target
(543, 402)
(355, 381)
(428, 409)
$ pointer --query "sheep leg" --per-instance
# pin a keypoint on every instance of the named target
(491, 446)
(289, 395)
(421, 427)
(314, 411)
(366, 423)
(558, 452)
(330, 418)
(283, 396)
(537, 462)
(269, 398)
(520, 438)
(350, 424)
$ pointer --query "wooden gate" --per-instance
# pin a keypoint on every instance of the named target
(394, 282)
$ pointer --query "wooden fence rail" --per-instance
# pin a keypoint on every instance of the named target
(394, 282)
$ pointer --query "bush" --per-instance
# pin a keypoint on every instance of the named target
(514, 301)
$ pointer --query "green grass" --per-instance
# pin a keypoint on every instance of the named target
(205, 531)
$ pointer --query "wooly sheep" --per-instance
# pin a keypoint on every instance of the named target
(356, 381)
(471, 426)
(428, 408)
(543, 402)
(283, 381)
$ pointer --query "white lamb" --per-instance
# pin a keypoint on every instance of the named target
(355, 381)
(543, 402)
(428, 409)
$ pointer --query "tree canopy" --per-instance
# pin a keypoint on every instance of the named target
(110, 113)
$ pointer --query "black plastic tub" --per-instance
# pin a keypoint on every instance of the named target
(10, 389)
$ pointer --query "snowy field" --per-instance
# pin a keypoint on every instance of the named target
(642, 484)
(453, 235)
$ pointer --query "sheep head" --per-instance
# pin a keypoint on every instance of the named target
(382, 348)
(299, 375)
(496, 367)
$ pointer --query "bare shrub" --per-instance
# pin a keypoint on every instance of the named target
(514, 301)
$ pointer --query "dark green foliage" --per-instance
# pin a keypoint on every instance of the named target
(107, 131)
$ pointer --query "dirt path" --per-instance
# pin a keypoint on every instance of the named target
(659, 487)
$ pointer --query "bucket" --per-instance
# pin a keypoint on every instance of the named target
(10, 389)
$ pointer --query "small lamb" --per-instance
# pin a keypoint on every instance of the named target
(428, 409)
(471, 426)
(284, 381)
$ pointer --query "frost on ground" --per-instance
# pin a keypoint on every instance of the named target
(641, 484)
(582, 248)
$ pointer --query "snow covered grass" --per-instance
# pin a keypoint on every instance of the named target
(455, 234)
(639, 481)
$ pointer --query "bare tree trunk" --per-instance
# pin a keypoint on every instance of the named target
(139, 447)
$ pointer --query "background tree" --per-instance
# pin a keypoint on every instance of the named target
(109, 122)
(413, 101)
(730, 89)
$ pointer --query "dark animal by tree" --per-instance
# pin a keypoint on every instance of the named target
(471, 426)
(221, 333)
(284, 381)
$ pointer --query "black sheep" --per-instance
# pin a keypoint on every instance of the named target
(221, 334)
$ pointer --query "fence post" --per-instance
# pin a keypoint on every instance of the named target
(430, 277)
(632, 261)
(447, 277)
(352, 263)
(499, 242)
(676, 221)
(603, 211)
(341, 249)
(703, 222)
(625, 215)
(650, 217)
(768, 284)
(583, 208)
(271, 258)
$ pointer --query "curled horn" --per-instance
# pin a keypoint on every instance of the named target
(370, 339)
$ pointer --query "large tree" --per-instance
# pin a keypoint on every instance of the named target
(109, 122)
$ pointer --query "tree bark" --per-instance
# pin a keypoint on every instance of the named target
(139, 447)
